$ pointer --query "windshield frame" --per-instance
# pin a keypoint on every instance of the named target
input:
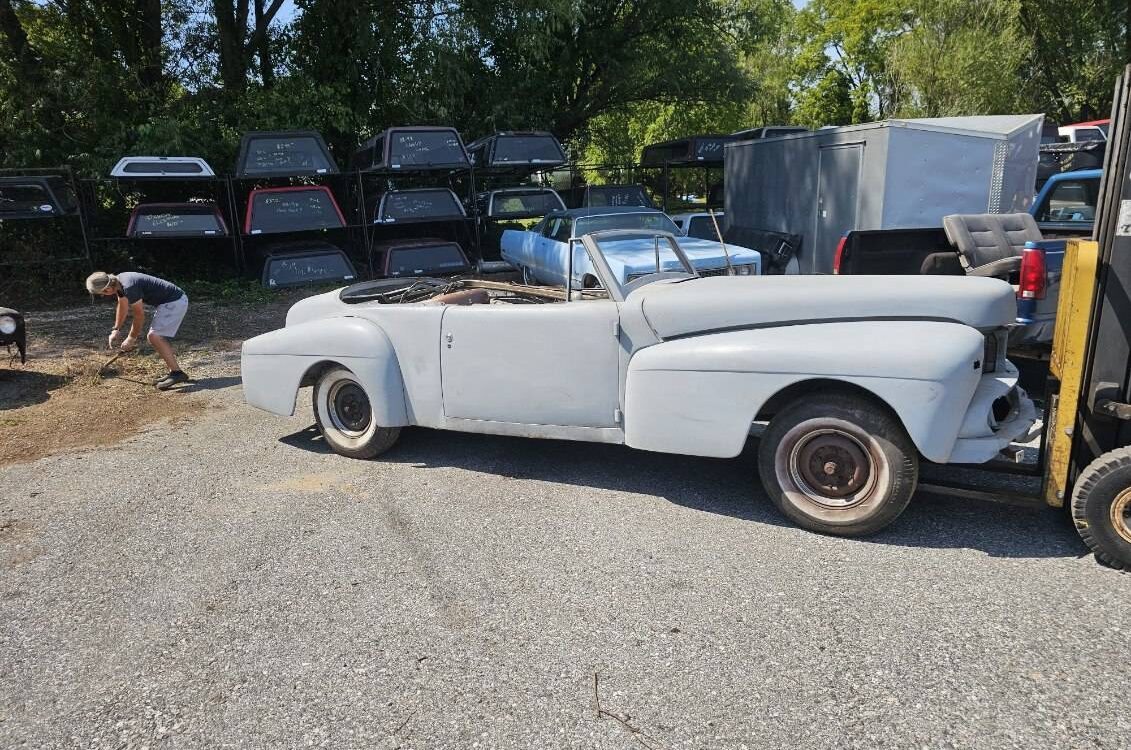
(617, 291)
(579, 219)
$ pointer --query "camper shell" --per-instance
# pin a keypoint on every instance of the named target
(425, 256)
(36, 197)
(768, 131)
(292, 209)
(149, 220)
(518, 203)
(895, 174)
(418, 204)
(283, 153)
(510, 149)
(587, 196)
(696, 149)
(417, 147)
(305, 262)
(178, 167)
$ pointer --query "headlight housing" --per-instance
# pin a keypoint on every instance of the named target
(742, 270)
(8, 325)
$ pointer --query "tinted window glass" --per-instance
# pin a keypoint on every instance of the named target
(24, 199)
(423, 204)
(299, 154)
(525, 204)
(662, 153)
(526, 148)
(629, 195)
(162, 167)
(1071, 200)
(561, 229)
(703, 228)
(651, 221)
(423, 148)
(290, 270)
(1089, 134)
(709, 149)
(413, 261)
(292, 211)
(178, 222)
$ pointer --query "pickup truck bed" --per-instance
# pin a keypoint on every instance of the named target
(895, 252)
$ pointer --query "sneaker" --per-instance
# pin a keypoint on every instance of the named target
(172, 379)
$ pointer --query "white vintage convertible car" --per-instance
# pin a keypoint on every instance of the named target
(859, 377)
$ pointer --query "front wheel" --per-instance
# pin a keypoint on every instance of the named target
(1101, 508)
(838, 464)
(345, 416)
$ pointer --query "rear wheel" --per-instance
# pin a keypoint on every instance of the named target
(1101, 508)
(345, 416)
(838, 464)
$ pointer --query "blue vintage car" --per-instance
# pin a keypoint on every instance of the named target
(540, 252)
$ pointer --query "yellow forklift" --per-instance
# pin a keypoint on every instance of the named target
(1086, 455)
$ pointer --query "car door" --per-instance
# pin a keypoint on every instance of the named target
(549, 260)
(550, 364)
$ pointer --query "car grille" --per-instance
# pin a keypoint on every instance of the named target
(990, 353)
(713, 271)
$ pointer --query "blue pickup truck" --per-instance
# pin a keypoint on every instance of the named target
(1064, 208)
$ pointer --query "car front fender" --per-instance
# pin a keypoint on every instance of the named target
(699, 395)
(274, 366)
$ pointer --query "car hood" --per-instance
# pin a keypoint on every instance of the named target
(721, 303)
(637, 255)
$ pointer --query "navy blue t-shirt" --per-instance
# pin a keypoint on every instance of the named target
(148, 289)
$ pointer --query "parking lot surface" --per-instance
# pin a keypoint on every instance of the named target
(225, 581)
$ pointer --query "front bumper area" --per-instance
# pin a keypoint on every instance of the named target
(1000, 413)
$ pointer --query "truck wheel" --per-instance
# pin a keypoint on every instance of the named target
(345, 416)
(1101, 508)
(838, 464)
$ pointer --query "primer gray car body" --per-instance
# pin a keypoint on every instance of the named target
(671, 362)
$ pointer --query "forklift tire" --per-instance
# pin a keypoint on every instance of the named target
(1101, 508)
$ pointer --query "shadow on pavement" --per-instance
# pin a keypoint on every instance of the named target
(725, 486)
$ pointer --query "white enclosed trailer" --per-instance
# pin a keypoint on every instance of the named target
(896, 174)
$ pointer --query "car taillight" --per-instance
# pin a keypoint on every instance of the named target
(1033, 277)
(839, 254)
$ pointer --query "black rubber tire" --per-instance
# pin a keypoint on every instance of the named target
(369, 442)
(880, 439)
(1099, 486)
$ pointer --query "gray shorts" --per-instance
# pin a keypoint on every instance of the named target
(167, 318)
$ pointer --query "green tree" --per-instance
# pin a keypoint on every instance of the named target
(958, 57)
(1074, 55)
(828, 102)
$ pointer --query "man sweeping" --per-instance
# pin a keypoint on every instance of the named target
(134, 291)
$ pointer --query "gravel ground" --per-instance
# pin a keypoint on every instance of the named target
(229, 583)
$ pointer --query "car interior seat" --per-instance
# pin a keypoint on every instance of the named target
(991, 244)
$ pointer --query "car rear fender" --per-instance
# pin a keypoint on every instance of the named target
(275, 365)
(699, 395)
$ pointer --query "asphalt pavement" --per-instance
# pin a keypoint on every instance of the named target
(230, 583)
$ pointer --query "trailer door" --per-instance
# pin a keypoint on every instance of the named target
(838, 183)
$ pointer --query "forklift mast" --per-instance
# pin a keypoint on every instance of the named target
(1103, 417)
